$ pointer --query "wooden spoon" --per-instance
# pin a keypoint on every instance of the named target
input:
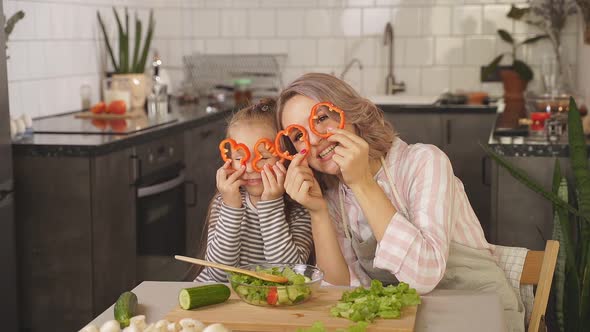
(255, 274)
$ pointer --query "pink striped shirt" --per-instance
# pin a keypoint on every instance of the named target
(415, 247)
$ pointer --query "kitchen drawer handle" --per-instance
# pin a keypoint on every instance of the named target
(161, 187)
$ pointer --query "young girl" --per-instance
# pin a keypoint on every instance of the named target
(397, 211)
(251, 220)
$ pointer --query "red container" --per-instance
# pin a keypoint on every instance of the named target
(538, 119)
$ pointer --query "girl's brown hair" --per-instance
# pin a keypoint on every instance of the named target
(366, 118)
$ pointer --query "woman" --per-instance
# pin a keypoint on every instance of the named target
(397, 211)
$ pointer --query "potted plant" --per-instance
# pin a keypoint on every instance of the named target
(124, 68)
(517, 76)
(9, 25)
(571, 284)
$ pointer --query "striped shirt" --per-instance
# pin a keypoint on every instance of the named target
(415, 247)
(256, 234)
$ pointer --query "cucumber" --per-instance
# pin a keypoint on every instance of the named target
(195, 297)
(125, 308)
(283, 295)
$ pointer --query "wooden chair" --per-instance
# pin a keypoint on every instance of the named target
(538, 270)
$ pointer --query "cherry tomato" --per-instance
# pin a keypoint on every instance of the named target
(273, 296)
(117, 107)
(100, 107)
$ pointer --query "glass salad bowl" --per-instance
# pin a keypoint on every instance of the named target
(304, 281)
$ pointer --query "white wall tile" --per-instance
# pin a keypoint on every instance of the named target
(436, 21)
(186, 23)
(419, 51)
(15, 99)
(218, 3)
(435, 80)
(36, 60)
(17, 65)
(234, 23)
(274, 46)
(407, 21)
(465, 78)
(292, 73)
(318, 22)
(373, 79)
(246, 46)
(411, 78)
(170, 25)
(494, 18)
(449, 51)
(359, 3)
(246, 4)
(302, 52)
(206, 23)
(331, 52)
(43, 20)
(347, 22)
(374, 20)
(363, 49)
(479, 50)
(218, 46)
(467, 20)
(290, 23)
(399, 52)
(262, 23)
(288, 3)
(25, 28)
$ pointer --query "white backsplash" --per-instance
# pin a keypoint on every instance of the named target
(439, 44)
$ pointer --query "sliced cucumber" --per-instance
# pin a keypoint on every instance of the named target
(195, 297)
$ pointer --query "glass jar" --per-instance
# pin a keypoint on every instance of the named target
(242, 92)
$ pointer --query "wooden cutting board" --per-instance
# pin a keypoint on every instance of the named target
(107, 116)
(240, 316)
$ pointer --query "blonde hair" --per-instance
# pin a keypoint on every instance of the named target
(264, 111)
(366, 118)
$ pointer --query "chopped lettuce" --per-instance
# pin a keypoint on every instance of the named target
(364, 305)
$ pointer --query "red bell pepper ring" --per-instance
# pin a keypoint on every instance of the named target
(313, 116)
(269, 146)
(235, 147)
(285, 132)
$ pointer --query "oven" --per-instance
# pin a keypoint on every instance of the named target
(162, 198)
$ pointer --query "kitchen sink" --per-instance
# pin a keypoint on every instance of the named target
(404, 100)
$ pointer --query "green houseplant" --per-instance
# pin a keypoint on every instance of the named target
(124, 68)
(572, 277)
(10, 24)
(515, 78)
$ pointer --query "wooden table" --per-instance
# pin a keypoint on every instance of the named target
(441, 310)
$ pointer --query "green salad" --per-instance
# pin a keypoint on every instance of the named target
(275, 294)
(363, 304)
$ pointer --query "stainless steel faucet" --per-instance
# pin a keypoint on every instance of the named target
(349, 65)
(391, 86)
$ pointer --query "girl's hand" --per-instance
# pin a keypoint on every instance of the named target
(228, 184)
(302, 186)
(273, 183)
(352, 155)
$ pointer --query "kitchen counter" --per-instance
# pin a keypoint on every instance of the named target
(70, 140)
(526, 144)
(441, 310)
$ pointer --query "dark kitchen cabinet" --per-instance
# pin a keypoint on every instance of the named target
(458, 135)
(202, 161)
(75, 235)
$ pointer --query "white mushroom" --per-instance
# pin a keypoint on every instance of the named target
(173, 327)
(151, 328)
(190, 324)
(89, 328)
(138, 321)
(216, 328)
(161, 326)
(110, 326)
(132, 328)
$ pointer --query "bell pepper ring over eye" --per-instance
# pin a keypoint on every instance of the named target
(285, 132)
(269, 146)
(313, 116)
(233, 147)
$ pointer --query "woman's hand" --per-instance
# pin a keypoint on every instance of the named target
(273, 181)
(302, 186)
(228, 184)
(352, 156)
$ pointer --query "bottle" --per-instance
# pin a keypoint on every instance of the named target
(242, 92)
(157, 102)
